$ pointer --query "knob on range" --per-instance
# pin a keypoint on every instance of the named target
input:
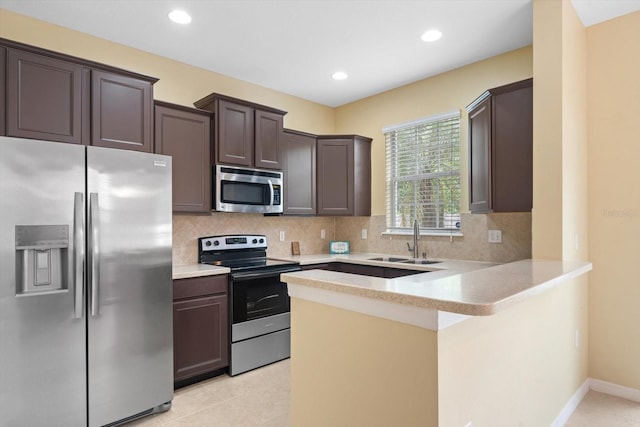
(207, 243)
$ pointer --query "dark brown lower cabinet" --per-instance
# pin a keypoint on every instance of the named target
(200, 326)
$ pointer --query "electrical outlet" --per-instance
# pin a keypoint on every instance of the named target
(495, 236)
(282, 236)
(364, 234)
(469, 424)
(323, 234)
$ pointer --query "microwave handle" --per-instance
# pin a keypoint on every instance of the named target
(271, 192)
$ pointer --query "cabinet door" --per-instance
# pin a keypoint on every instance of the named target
(335, 177)
(479, 157)
(235, 134)
(121, 112)
(512, 151)
(299, 174)
(268, 140)
(185, 136)
(44, 97)
(200, 336)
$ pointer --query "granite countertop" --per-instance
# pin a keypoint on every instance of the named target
(197, 270)
(463, 288)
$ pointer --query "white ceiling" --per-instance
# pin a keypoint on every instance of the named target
(293, 46)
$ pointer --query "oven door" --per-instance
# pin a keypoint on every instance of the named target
(247, 190)
(257, 294)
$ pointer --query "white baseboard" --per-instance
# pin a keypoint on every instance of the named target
(572, 404)
(615, 390)
(595, 385)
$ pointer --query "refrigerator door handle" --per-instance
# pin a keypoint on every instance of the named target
(94, 253)
(78, 251)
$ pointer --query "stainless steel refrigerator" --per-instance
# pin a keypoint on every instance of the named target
(85, 284)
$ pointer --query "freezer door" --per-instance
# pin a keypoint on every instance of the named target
(130, 336)
(42, 328)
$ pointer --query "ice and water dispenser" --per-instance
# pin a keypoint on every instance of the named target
(41, 258)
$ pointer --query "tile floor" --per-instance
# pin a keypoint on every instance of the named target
(260, 398)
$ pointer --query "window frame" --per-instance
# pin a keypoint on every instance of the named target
(392, 178)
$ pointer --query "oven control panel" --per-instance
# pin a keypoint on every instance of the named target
(238, 241)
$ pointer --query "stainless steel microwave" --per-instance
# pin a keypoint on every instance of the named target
(238, 189)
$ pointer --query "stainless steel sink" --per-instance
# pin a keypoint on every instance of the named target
(389, 259)
(420, 261)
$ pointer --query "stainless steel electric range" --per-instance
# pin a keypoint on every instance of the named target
(258, 304)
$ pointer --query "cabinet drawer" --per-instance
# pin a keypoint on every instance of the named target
(197, 286)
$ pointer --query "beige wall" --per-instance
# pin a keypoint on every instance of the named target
(613, 66)
(516, 368)
(179, 83)
(449, 91)
(353, 370)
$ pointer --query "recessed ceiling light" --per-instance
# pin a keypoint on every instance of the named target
(339, 75)
(179, 16)
(431, 36)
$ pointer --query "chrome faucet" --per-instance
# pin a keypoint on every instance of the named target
(416, 237)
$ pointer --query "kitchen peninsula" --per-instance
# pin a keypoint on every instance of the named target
(432, 349)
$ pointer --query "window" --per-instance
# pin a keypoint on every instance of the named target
(423, 174)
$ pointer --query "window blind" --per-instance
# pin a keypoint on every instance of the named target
(423, 174)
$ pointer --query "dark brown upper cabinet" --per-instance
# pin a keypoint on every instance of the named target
(246, 134)
(44, 97)
(121, 112)
(344, 175)
(185, 134)
(299, 173)
(57, 97)
(268, 140)
(501, 149)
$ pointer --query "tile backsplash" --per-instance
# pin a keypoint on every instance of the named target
(473, 245)
(305, 230)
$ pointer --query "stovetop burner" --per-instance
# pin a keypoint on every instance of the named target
(244, 252)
